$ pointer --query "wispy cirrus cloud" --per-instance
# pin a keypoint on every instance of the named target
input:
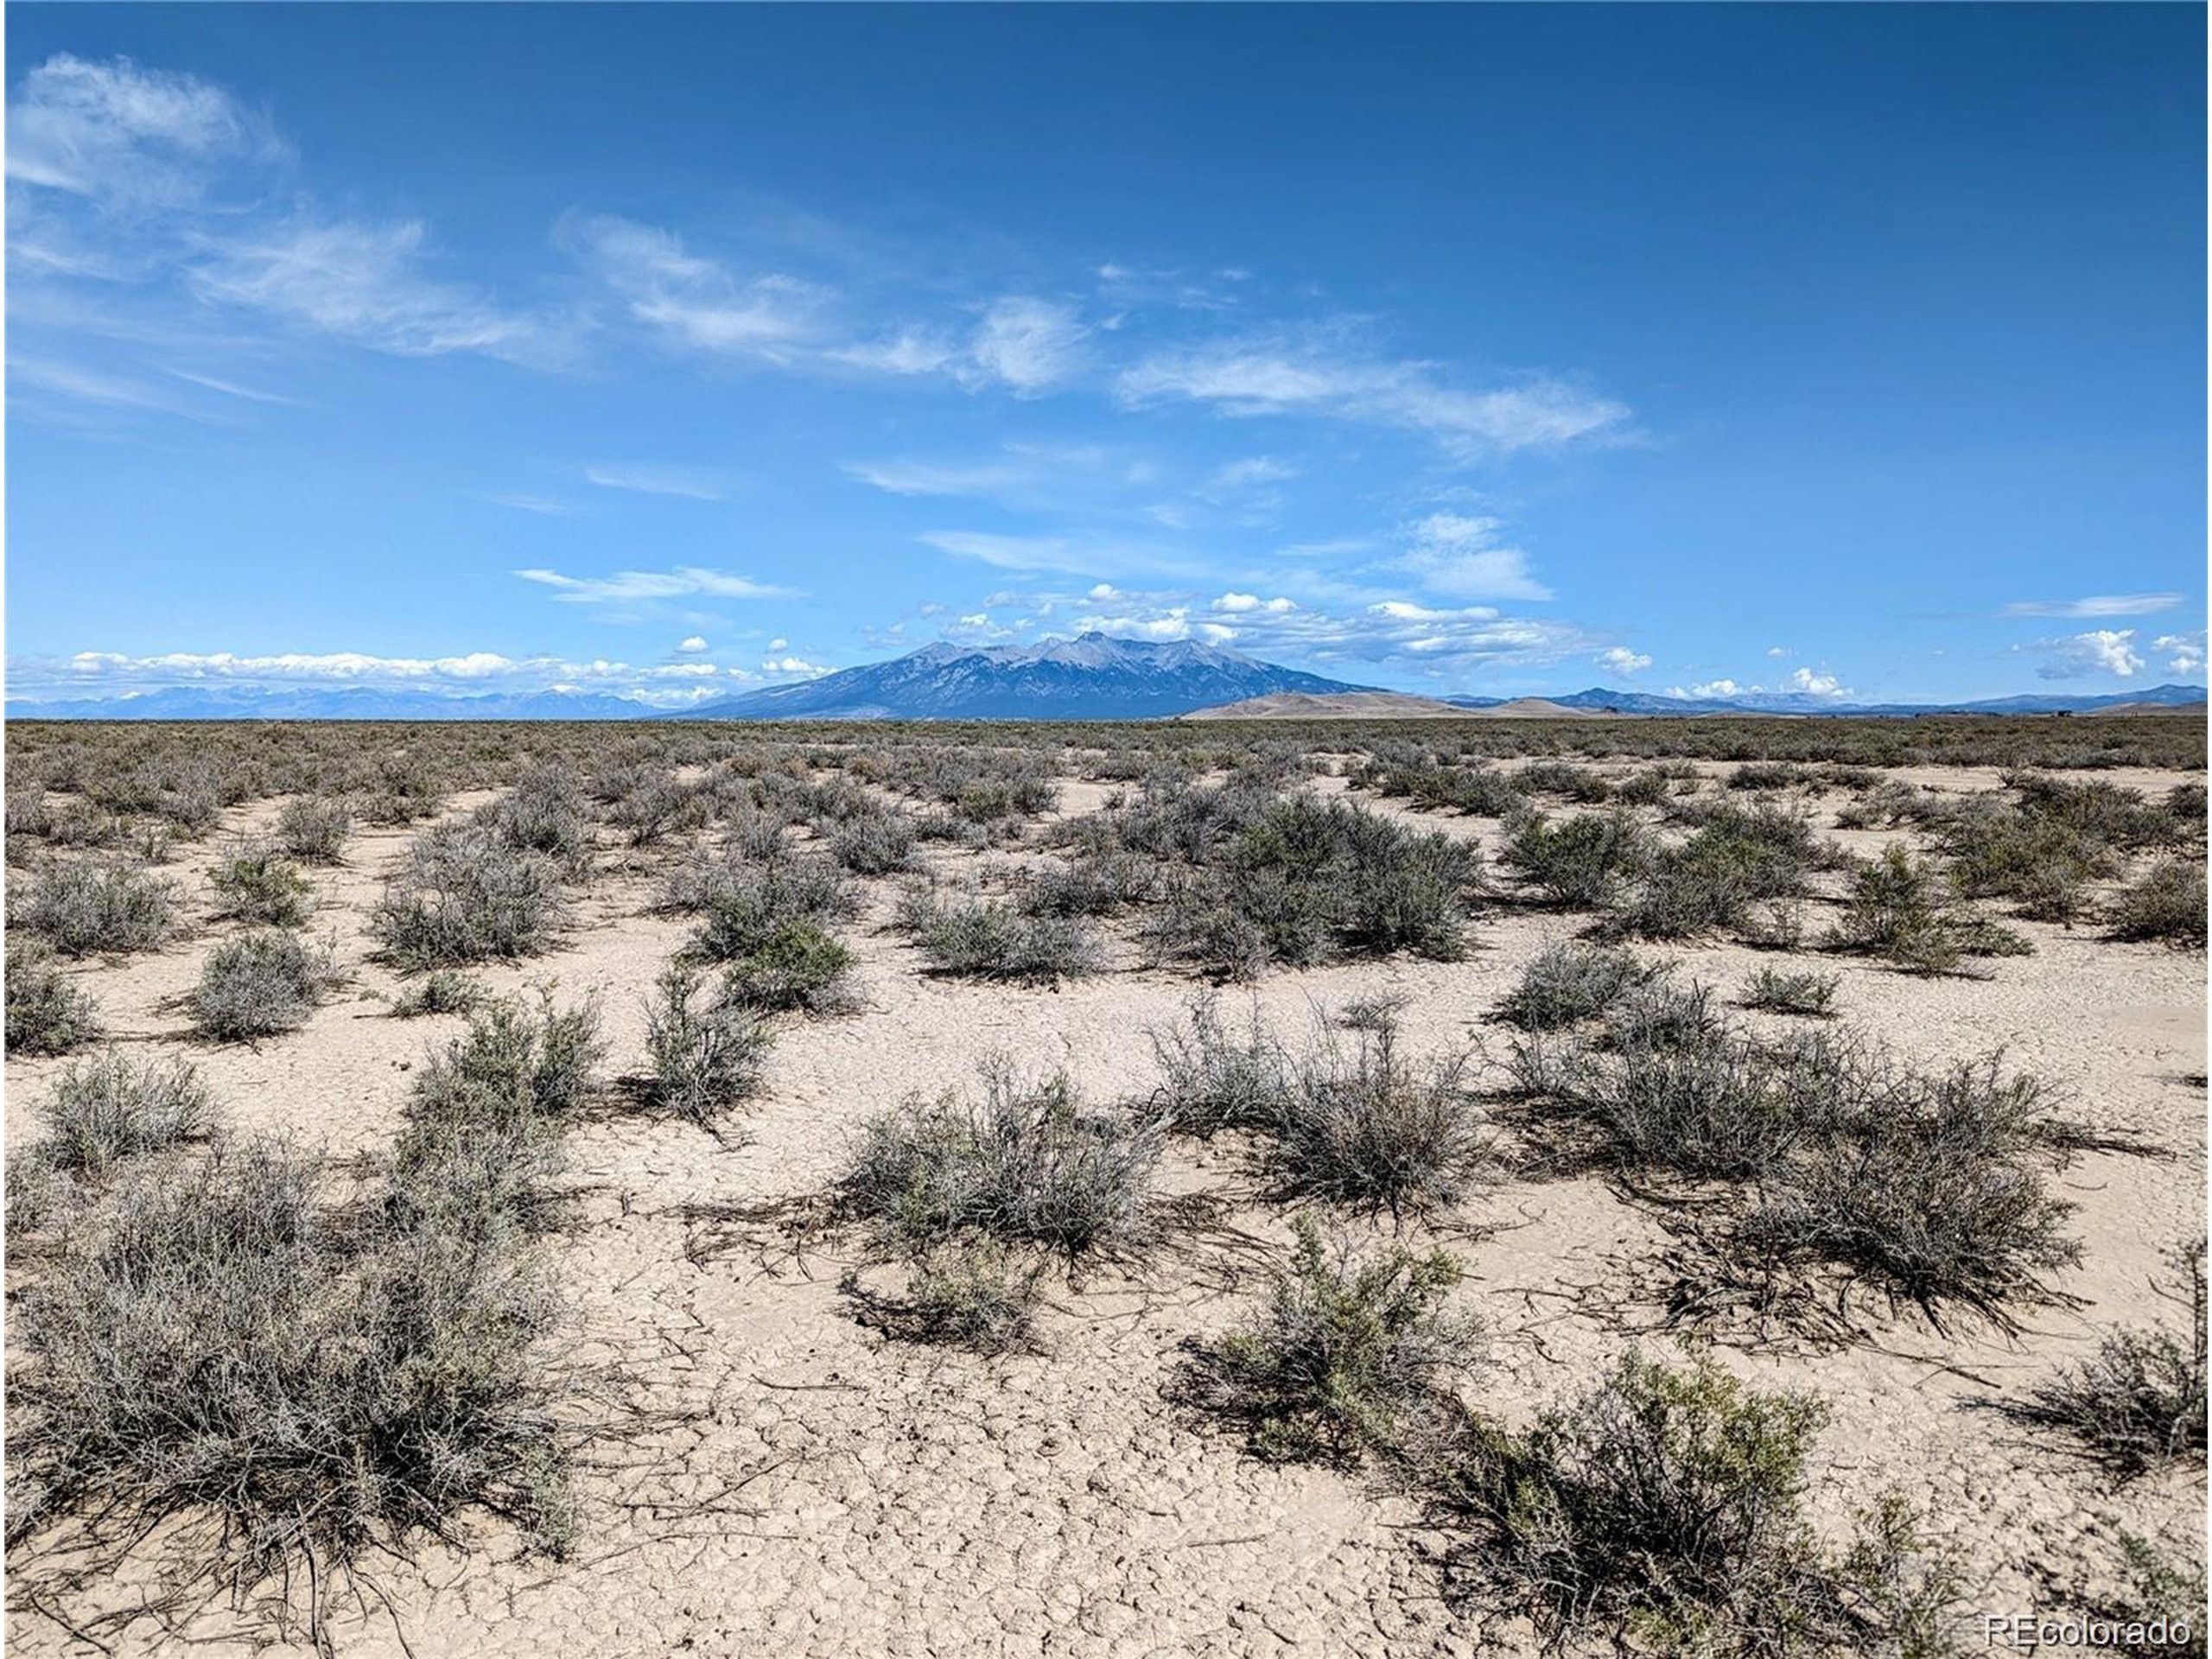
(2096, 606)
(1325, 372)
(369, 284)
(696, 301)
(128, 137)
(1027, 345)
(688, 483)
(685, 581)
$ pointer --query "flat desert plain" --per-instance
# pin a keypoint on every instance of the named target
(759, 1435)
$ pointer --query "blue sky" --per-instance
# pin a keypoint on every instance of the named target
(676, 351)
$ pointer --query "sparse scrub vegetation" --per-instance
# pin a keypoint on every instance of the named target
(1349, 1347)
(314, 830)
(256, 882)
(259, 984)
(1899, 910)
(1810, 995)
(109, 1107)
(1568, 984)
(84, 909)
(2139, 1402)
(706, 1058)
(2166, 905)
(796, 967)
(46, 1013)
(442, 990)
(1026, 1164)
(984, 938)
(1664, 1510)
(466, 896)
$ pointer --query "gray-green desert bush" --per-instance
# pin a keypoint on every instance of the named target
(984, 938)
(1567, 984)
(1368, 1127)
(1581, 862)
(314, 830)
(796, 967)
(215, 1360)
(2139, 1402)
(1776, 992)
(1214, 1078)
(743, 904)
(109, 1107)
(442, 990)
(1664, 1511)
(708, 1054)
(1029, 1164)
(259, 984)
(971, 1292)
(256, 882)
(83, 909)
(46, 1013)
(465, 895)
(1348, 1348)
(1900, 909)
(2167, 904)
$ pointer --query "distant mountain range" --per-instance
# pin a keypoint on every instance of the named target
(1091, 677)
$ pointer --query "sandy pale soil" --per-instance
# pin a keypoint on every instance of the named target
(817, 1489)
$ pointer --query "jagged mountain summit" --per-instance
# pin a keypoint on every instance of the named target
(1093, 676)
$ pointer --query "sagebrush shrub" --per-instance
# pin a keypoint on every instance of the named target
(706, 1057)
(1027, 1164)
(1812, 995)
(255, 882)
(110, 1108)
(1664, 1510)
(46, 1013)
(215, 1353)
(1579, 862)
(1348, 1346)
(314, 830)
(260, 983)
(1213, 1079)
(2139, 1402)
(983, 939)
(464, 896)
(441, 991)
(796, 966)
(86, 909)
(1367, 1127)
(2167, 904)
(1566, 984)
